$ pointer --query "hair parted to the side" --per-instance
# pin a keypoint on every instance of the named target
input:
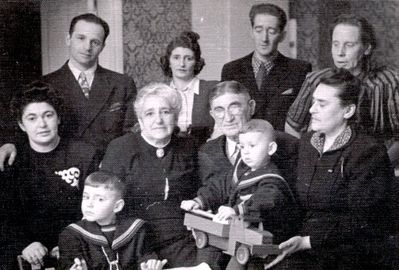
(261, 126)
(232, 87)
(35, 92)
(189, 40)
(159, 90)
(106, 180)
(89, 17)
(269, 9)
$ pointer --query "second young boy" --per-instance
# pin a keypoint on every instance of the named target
(102, 240)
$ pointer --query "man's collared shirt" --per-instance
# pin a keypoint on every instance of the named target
(89, 72)
(187, 95)
(269, 63)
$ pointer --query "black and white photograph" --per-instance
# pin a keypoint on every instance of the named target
(199, 134)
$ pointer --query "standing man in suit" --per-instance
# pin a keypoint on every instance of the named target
(272, 79)
(98, 102)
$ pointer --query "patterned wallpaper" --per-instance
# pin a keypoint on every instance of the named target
(314, 16)
(384, 16)
(148, 26)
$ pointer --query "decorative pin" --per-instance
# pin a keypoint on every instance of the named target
(160, 152)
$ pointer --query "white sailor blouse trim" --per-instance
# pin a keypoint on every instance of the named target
(101, 240)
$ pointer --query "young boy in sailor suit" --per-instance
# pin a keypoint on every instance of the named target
(253, 188)
(101, 240)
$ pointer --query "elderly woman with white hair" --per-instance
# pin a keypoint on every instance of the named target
(160, 171)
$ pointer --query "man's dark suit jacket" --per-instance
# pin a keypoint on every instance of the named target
(278, 90)
(214, 163)
(102, 117)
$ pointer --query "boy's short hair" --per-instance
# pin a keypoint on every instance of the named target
(259, 125)
(106, 180)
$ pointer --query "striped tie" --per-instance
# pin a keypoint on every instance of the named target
(84, 84)
(233, 156)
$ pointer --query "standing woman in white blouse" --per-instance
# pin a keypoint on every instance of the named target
(182, 62)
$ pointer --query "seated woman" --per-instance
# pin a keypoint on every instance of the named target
(344, 184)
(160, 171)
(183, 62)
(48, 172)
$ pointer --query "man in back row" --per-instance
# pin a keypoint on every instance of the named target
(98, 102)
(272, 79)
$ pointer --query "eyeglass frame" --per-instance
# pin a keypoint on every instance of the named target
(238, 110)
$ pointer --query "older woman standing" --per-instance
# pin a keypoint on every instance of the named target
(183, 62)
(344, 182)
(160, 170)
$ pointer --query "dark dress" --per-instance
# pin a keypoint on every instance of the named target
(9, 227)
(49, 187)
(155, 188)
(345, 195)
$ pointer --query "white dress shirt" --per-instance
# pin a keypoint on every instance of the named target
(187, 95)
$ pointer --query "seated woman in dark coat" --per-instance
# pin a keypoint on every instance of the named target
(48, 173)
(160, 171)
(344, 184)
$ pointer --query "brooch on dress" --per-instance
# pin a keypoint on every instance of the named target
(160, 152)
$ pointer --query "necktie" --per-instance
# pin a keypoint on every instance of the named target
(233, 156)
(260, 75)
(84, 84)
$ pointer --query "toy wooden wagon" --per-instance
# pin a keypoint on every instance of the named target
(236, 239)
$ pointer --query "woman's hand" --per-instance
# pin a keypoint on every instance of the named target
(224, 213)
(189, 205)
(34, 253)
(289, 247)
(79, 264)
(7, 151)
(153, 264)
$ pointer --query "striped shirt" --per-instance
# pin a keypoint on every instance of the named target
(381, 89)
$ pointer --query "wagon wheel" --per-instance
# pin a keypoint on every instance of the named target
(201, 240)
(242, 254)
